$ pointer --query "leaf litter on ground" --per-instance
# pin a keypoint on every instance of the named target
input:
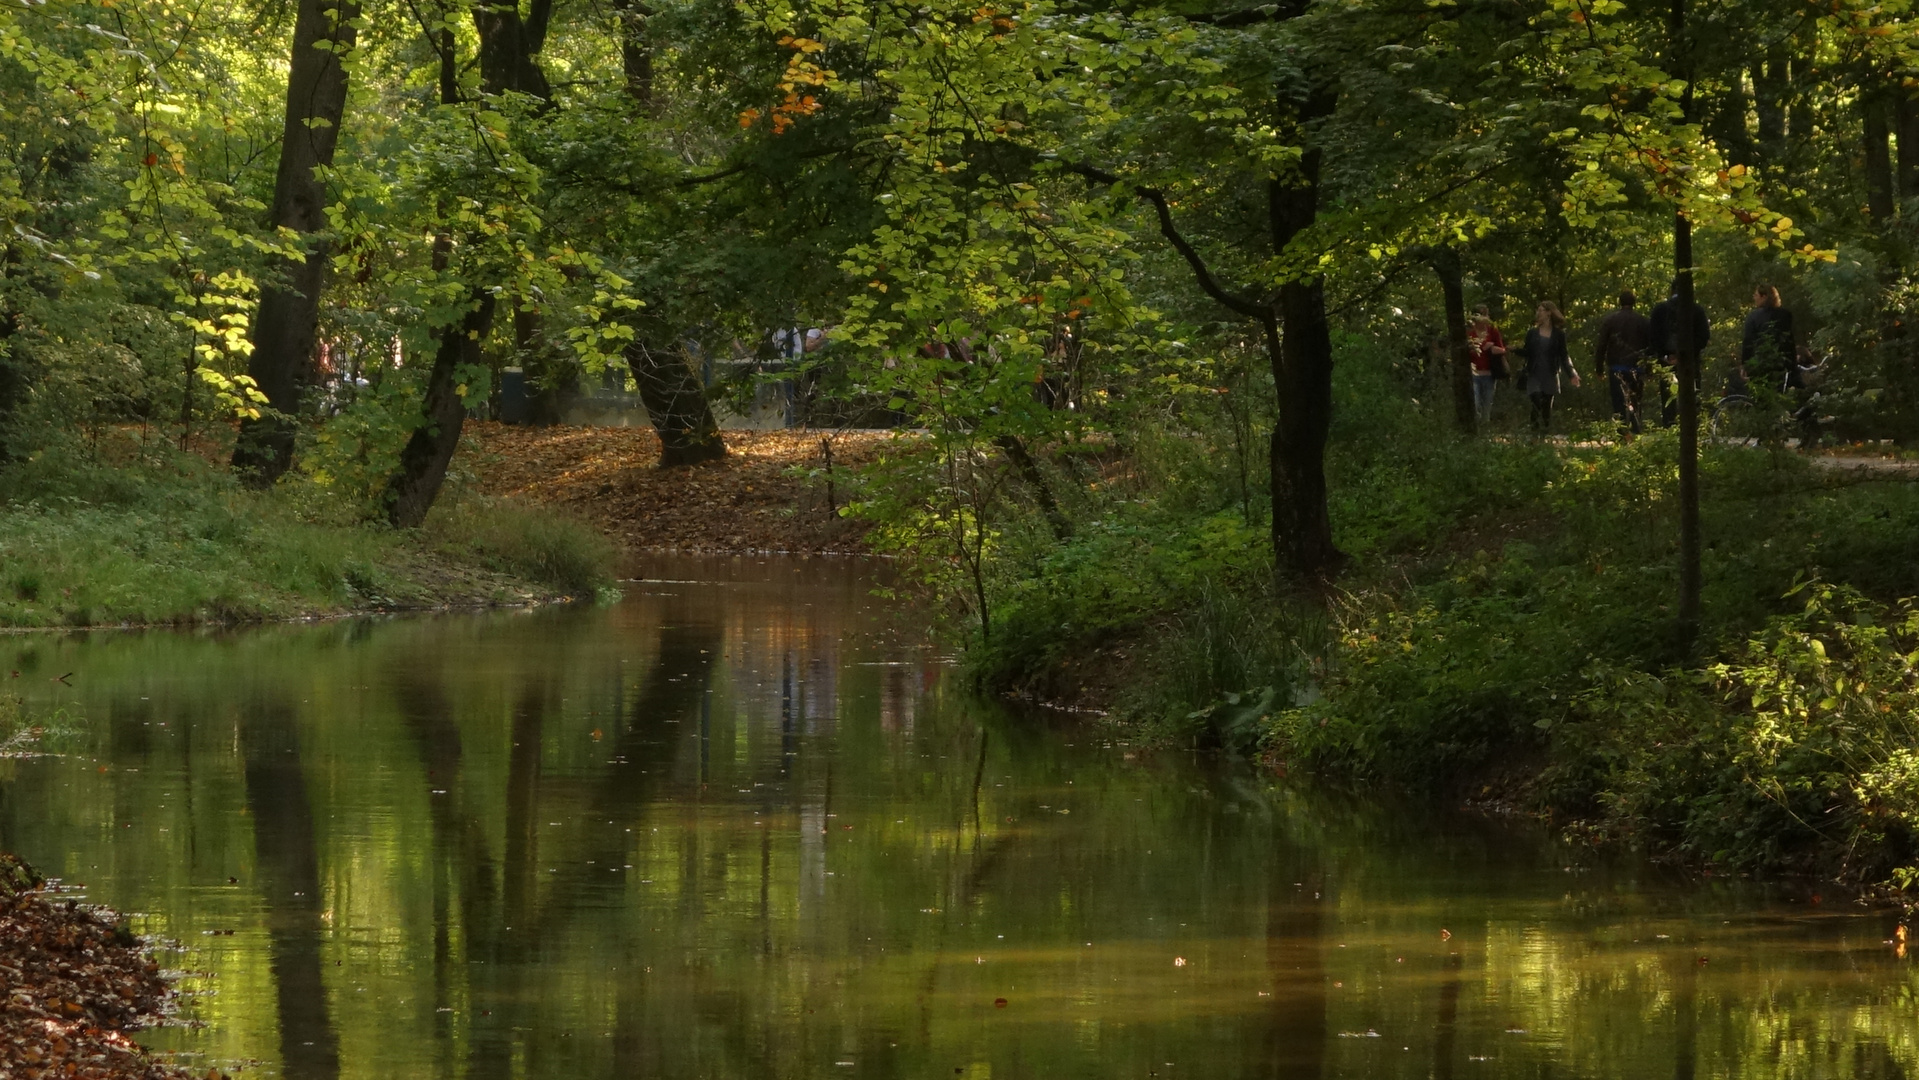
(75, 981)
(768, 494)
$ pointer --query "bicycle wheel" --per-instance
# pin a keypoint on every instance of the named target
(1737, 421)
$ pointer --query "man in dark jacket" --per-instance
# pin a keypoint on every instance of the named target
(1625, 338)
(1665, 343)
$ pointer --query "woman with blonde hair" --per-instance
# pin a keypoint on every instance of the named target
(1487, 350)
(1546, 359)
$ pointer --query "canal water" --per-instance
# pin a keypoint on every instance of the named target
(745, 824)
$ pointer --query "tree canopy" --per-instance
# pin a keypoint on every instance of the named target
(1035, 223)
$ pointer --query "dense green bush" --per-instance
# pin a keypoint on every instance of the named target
(1800, 749)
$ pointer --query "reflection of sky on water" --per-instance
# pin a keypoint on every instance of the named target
(738, 826)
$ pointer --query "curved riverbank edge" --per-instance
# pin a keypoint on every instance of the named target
(417, 585)
(77, 982)
(1703, 767)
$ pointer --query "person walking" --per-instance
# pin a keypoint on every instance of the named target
(1769, 368)
(1625, 337)
(1665, 343)
(1767, 350)
(1487, 349)
(1546, 359)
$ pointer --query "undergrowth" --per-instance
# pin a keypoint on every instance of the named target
(1506, 628)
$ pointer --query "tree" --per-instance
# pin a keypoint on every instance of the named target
(285, 327)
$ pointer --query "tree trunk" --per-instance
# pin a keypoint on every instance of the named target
(1907, 113)
(423, 462)
(288, 320)
(1446, 265)
(1804, 80)
(676, 403)
(1690, 577)
(552, 381)
(674, 398)
(1688, 370)
(510, 47)
(1728, 124)
(1302, 373)
(1769, 102)
(1879, 197)
(13, 382)
(636, 53)
(1035, 480)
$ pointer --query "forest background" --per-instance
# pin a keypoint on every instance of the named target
(1176, 295)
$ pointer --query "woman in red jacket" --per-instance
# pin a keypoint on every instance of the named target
(1488, 350)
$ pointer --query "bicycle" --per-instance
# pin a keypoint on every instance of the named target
(1740, 419)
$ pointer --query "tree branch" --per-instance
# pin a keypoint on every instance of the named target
(1250, 16)
(1236, 302)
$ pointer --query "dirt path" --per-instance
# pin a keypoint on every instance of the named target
(768, 494)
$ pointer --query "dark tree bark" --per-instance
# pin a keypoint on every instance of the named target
(13, 380)
(1299, 347)
(674, 396)
(423, 462)
(676, 402)
(285, 327)
(1690, 578)
(1303, 372)
(1907, 113)
(1035, 481)
(507, 46)
(510, 46)
(1878, 130)
(1446, 265)
(1728, 124)
(636, 54)
(1769, 102)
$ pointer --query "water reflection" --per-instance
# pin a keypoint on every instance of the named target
(739, 827)
(287, 876)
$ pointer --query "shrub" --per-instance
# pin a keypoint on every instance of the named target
(538, 543)
(1802, 749)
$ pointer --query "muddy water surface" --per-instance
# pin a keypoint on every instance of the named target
(742, 825)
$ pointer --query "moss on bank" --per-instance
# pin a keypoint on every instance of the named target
(84, 542)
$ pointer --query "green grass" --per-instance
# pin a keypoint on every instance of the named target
(537, 543)
(177, 541)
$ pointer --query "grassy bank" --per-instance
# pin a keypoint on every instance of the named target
(168, 538)
(1505, 632)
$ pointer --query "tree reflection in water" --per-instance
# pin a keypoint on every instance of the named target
(288, 866)
(731, 831)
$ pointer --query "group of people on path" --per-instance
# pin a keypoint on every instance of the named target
(1631, 348)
